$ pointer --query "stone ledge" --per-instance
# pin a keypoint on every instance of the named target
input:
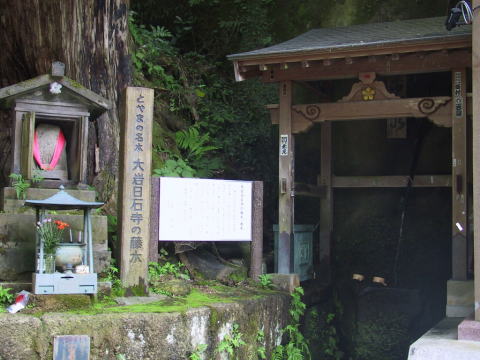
(153, 336)
(440, 343)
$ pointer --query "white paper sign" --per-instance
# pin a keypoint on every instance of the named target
(205, 210)
(283, 145)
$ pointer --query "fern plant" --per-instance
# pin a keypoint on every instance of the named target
(197, 353)
(20, 185)
(231, 342)
(296, 348)
(6, 297)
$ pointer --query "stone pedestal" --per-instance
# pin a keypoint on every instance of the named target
(460, 298)
(469, 329)
(17, 233)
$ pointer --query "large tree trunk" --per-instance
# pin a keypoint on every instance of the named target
(90, 37)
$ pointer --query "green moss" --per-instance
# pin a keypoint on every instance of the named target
(137, 290)
(195, 299)
(238, 275)
(75, 84)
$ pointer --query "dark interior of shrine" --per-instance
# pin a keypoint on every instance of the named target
(402, 234)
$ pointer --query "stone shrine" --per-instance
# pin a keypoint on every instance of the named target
(50, 116)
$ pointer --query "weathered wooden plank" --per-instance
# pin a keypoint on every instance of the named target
(437, 109)
(256, 251)
(154, 219)
(383, 65)
(459, 175)
(286, 178)
(28, 128)
(135, 186)
(83, 142)
(326, 202)
(390, 181)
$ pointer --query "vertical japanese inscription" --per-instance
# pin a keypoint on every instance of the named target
(458, 98)
(134, 201)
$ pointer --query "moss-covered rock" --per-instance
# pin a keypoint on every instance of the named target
(175, 287)
(54, 303)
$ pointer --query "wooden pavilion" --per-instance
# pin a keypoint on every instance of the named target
(366, 53)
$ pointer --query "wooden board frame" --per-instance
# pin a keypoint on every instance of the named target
(256, 245)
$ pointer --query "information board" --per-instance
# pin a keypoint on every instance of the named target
(205, 210)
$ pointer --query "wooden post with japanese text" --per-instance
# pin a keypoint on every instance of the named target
(134, 188)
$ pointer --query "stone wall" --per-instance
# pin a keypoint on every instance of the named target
(148, 336)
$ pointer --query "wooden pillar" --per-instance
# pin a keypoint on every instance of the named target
(286, 180)
(326, 202)
(476, 151)
(135, 186)
(459, 176)
(256, 251)
(154, 220)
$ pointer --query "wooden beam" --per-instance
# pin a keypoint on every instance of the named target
(459, 176)
(375, 50)
(326, 202)
(286, 179)
(476, 151)
(398, 181)
(302, 189)
(383, 65)
(437, 109)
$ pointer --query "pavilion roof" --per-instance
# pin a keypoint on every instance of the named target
(395, 37)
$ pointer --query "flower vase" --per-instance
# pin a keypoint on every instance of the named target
(49, 263)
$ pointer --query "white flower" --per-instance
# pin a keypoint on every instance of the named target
(55, 88)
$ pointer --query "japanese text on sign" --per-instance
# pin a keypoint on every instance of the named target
(458, 94)
(283, 145)
(137, 186)
(205, 210)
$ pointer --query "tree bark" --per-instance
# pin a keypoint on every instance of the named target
(91, 38)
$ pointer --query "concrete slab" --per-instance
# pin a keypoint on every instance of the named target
(440, 343)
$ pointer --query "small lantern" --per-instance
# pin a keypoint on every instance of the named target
(84, 279)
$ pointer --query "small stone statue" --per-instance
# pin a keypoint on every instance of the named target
(49, 152)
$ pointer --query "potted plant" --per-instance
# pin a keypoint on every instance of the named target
(51, 232)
